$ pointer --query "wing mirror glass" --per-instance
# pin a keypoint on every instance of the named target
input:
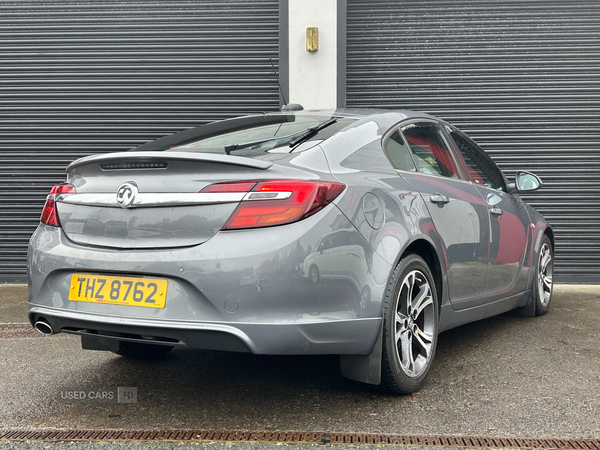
(526, 182)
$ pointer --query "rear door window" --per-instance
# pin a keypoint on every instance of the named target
(429, 149)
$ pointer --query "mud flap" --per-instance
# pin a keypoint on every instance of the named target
(529, 309)
(364, 368)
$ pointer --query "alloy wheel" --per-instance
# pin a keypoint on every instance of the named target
(415, 324)
(544, 279)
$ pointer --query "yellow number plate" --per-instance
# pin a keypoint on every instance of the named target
(148, 292)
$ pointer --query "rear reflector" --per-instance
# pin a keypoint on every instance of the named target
(277, 202)
(49, 214)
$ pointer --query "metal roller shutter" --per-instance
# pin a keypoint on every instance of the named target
(521, 77)
(82, 77)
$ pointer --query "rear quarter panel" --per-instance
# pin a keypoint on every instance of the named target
(386, 209)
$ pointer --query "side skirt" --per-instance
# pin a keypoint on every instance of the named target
(451, 318)
(367, 368)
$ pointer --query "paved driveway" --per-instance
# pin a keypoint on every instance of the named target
(505, 376)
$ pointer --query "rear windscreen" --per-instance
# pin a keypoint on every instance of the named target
(275, 131)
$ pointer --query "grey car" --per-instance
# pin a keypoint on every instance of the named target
(358, 233)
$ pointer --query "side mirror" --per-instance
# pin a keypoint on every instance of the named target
(525, 182)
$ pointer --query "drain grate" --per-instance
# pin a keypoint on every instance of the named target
(297, 437)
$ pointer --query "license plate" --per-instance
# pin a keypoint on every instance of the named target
(133, 291)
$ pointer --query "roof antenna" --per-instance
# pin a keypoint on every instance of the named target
(278, 83)
(286, 106)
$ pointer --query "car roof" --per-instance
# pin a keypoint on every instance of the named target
(362, 113)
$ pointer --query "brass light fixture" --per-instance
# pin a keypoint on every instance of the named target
(312, 39)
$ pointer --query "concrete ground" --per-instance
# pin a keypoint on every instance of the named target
(504, 376)
(13, 303)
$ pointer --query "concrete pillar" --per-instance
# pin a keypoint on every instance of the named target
(316, 80)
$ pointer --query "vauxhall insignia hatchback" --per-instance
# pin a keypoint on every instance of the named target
(363, 234)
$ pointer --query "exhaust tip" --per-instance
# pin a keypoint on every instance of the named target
(44, 327)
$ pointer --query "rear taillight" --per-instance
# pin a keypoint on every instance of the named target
(49, 214)
(277, 202)
(238, 186)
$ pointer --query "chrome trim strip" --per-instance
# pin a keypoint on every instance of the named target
(145, 200)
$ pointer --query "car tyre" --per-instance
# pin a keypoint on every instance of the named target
(410, 326)
(313, 274)
(136, 350)
(542, 289)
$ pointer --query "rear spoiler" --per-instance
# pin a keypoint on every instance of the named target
(153, 156)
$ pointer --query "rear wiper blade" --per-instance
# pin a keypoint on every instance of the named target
(231, 147)
(304, 135)
(310, 132)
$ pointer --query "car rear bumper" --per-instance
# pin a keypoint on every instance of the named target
(354, 336)
(240, 291)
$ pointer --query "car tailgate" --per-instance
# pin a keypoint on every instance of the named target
(138, 200)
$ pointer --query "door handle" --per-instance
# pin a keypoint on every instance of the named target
(496, 211)
(439, 198)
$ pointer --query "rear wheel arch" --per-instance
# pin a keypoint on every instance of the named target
(368, 368)
(427, 251)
